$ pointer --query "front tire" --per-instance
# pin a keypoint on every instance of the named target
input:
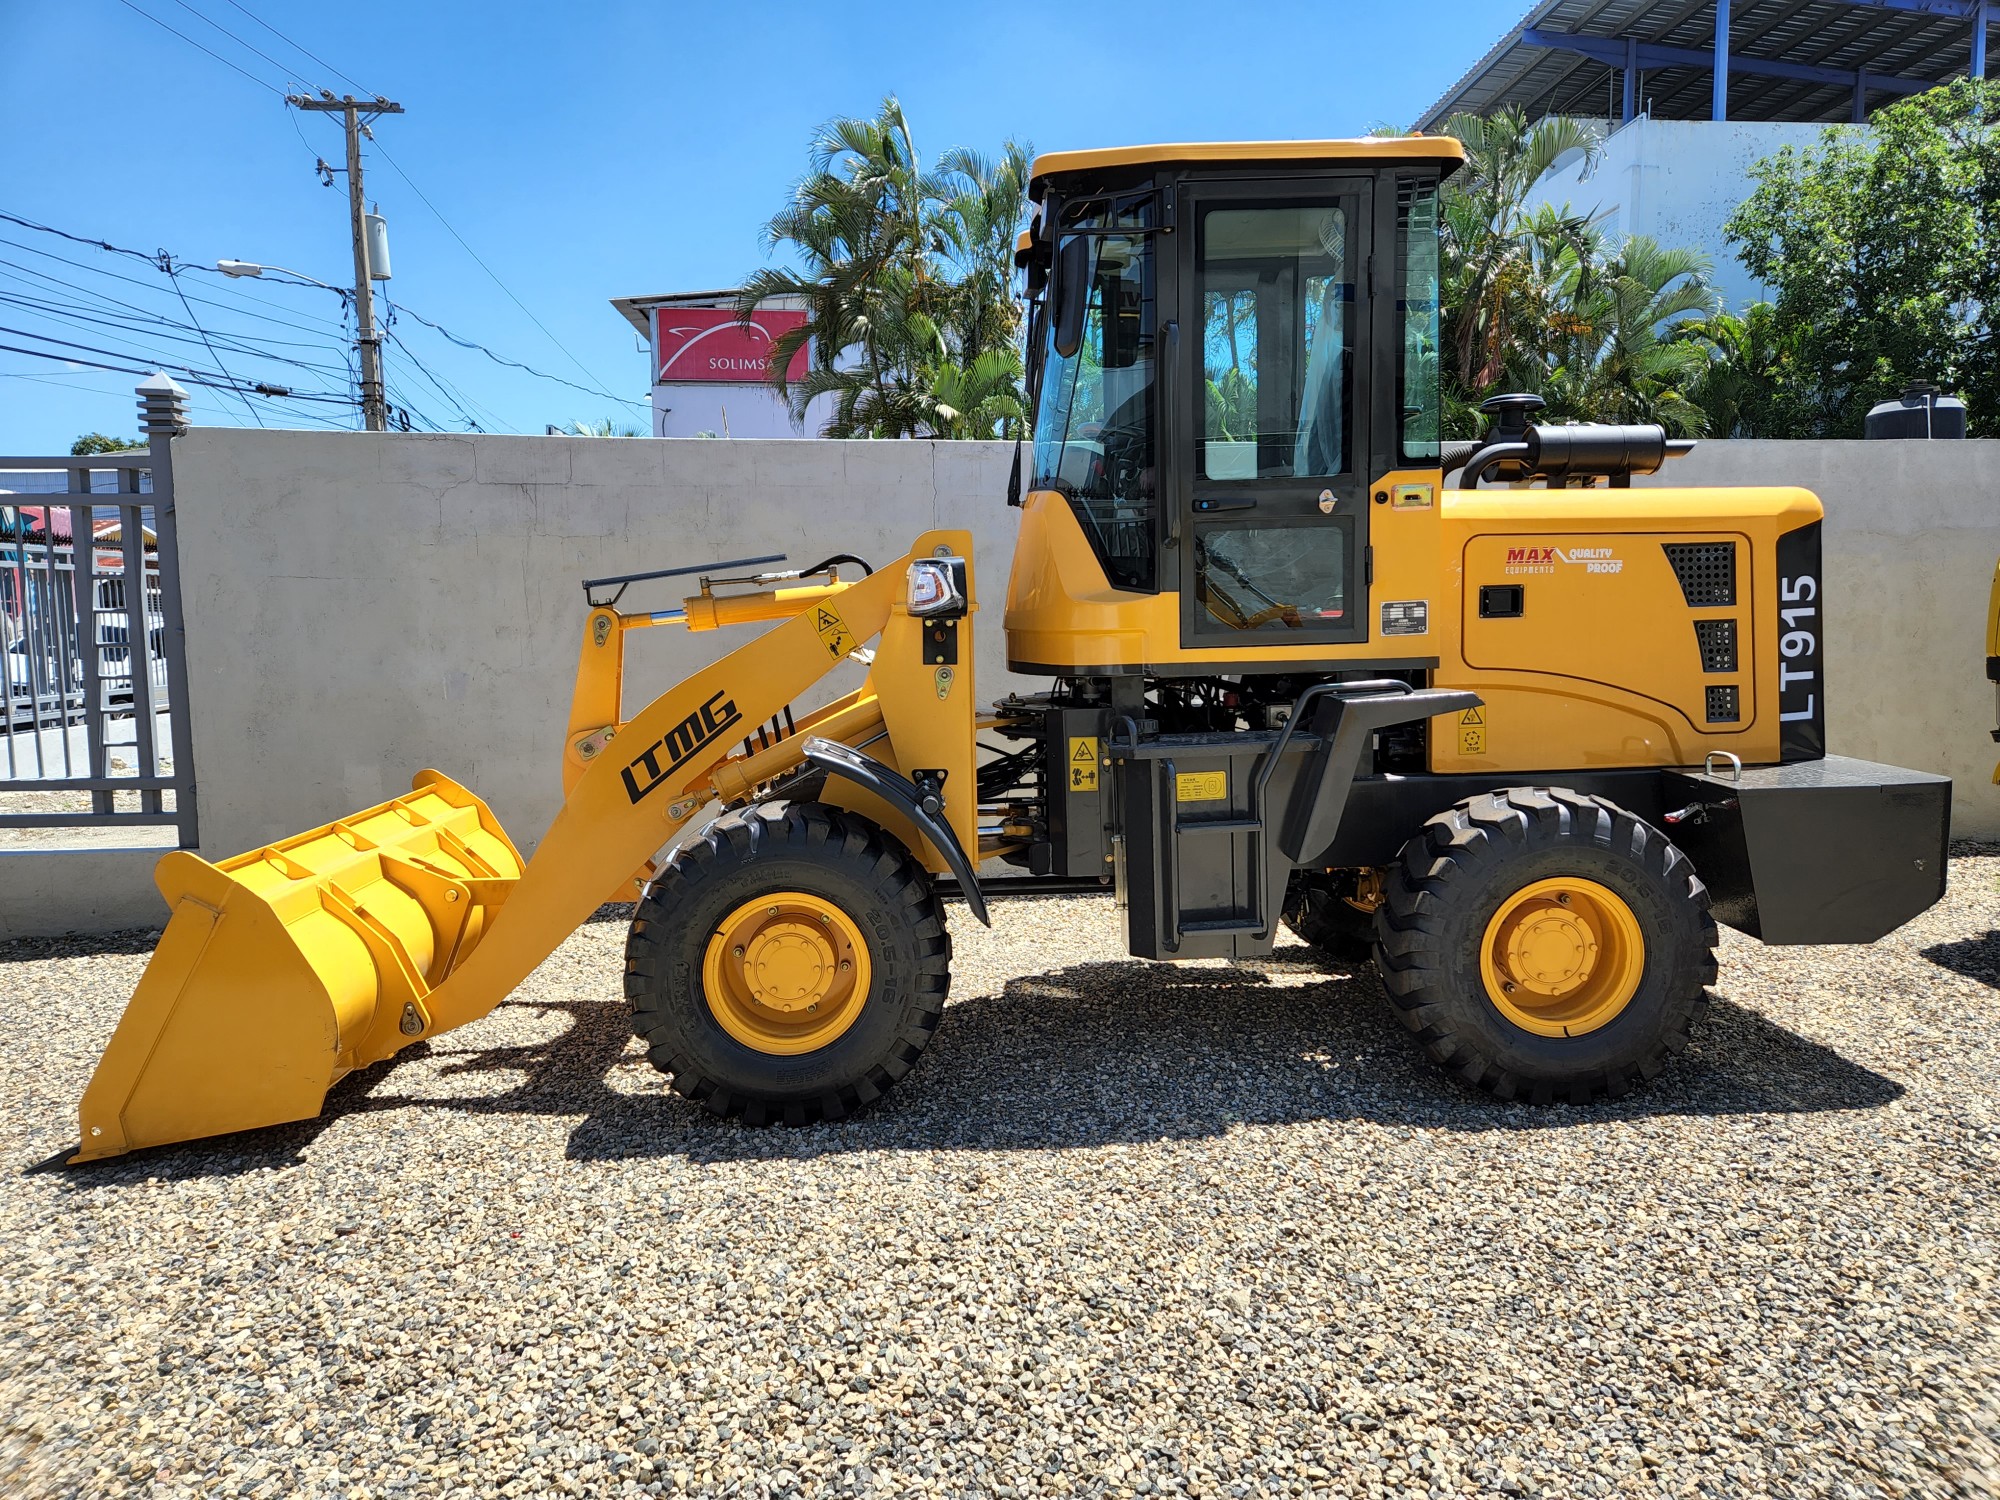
(789, 964)
(1546, 945)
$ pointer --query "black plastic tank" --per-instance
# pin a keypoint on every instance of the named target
(1920, 412)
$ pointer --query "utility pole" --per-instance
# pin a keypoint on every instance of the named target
(374, 403)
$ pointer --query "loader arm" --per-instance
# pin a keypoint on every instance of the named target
(631, 796)
(284, 969)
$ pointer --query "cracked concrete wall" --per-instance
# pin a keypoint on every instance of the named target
(361, 606)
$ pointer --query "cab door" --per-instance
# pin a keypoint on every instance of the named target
(1271, 432)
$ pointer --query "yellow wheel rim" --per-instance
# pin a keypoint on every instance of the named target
(786, 973)
(1562, 957)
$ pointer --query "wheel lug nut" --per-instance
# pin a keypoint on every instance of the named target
(737, 950)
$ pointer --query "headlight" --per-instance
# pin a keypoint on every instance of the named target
(937, 586)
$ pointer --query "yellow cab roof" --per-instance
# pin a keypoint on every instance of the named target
(1438, 148)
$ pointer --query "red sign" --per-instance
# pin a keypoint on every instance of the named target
(707, 344)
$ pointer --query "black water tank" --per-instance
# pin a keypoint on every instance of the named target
(1921, 412)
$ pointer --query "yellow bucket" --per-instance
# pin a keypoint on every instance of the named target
(283, 970)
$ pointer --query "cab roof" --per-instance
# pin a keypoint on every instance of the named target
(1438, 148)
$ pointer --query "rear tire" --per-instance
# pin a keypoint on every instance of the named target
(1545, 945)
(1321, 917)
(750, 1049)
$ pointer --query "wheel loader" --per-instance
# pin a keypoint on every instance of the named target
(1479, 711)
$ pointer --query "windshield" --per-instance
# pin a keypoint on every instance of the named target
(1094, 421)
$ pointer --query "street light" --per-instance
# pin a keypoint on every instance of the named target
(374, 410)
(252, 268)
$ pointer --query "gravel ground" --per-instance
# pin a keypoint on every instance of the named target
(1213, 1230)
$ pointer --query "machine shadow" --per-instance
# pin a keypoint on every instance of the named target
(1974, 957)
(1096, 1054)
(1113, 1052)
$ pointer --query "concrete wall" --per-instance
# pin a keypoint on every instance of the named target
(1677, 181)
(360, 606)
(368, 606)
(1911, 537)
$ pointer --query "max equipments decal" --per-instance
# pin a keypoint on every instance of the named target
(1545, 559)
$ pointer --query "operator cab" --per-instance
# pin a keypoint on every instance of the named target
(1231, 349)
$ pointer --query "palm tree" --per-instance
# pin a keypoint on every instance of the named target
(1625, 351)
(1496, 251)
(904, 275)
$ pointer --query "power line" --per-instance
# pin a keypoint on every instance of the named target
(396, 309)
(167, 266)
(78, 238)
(600, 390)
(295, 45)
(131, 311)
(87, 318)
(465, 343)
(199, 48)
(206, 377)
(154, 286)
(313, 418)
(206, 20)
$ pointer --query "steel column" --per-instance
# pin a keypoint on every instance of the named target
(1980, 17)
(1631, 101)
(1720, 109)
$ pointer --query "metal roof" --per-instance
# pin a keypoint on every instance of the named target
(1558, 59)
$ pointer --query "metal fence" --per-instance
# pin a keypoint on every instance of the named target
(95, 728)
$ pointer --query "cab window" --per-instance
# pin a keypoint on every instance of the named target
(1095, 419)
(1277, 298)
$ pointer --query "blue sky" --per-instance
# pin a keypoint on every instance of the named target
(583, 151)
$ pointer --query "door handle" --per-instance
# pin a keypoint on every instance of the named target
(1211, 503)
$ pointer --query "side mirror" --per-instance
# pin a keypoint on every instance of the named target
(1073, 260)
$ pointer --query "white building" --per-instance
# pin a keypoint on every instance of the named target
(1692, 94)
(708, 370)
(1678, 181)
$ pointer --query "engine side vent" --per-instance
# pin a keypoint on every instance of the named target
(1717, 640)
(1706, 570)
(1722, 707)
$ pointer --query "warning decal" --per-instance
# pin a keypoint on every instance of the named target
(1472, 732)
(1083, 763)
(833, 631)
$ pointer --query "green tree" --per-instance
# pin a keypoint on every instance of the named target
(96, 442)
(1879, 246)
(904, 274)
(1497, 253)
(1623, 350)
(1536, 298)
(1740, 388)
